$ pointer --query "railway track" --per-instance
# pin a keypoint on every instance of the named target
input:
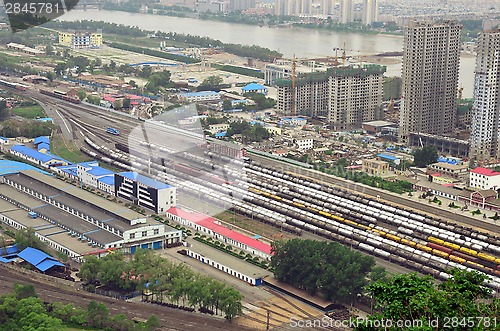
(170, 318)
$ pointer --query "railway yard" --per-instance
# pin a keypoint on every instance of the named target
(300, 201)
(294, 203)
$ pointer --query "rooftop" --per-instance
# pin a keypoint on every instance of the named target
(212, 224)
(13, 167)
(99, 171)
(86, 202)
(485, 171)
(253, 87)
(144, 180)
(41, 139)
(39, 259)
(199, 94)
(110, 180)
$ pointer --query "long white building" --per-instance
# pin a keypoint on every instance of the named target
(485, 133)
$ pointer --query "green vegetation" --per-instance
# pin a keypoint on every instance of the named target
(247, 131)
(27, 238)
(26, 128)
(424, 156)
(495, 217)
(67, 150)
(392, 88)
(261, 101)
(154, 52)
(459, 303)
(325, 268)
(166, 280)
(23, 310)
(239, 70)
(34, 111)
(211, 83)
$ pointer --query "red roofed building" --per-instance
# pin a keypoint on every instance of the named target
(205, 224)
(484, 178)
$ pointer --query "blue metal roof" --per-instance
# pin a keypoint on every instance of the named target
(197, 94)
(220, 134)
(4, 260)
(45, 119)
(32, 153)
(253, 87)
(93, 163)
(43, 145)
(3, 138)
(39, 259)
(144, 180)
(13, 167)
(9, 250)
(110, 180)
(99, 171)
(41, 139)
(387, 157)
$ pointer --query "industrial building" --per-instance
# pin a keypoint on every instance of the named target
(93, 219)
(207, 225)
(344, 96)
(80, 39)
(430, 78)
(484, 178)
(45, 160)
(144, 192)
(485, 132)
(238, 268)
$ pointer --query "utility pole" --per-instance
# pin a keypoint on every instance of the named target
(267, 323)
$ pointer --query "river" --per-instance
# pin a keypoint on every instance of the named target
(289, 41)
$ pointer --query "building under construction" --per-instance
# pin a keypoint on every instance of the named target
(345, 96)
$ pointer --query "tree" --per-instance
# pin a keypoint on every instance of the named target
(211, 83)
(27, 238)
(98, 314)
(424, 156)
(409, 297)
(316, 266)
(226, 105)
(81, 94)
(126, 103)
(4, 111)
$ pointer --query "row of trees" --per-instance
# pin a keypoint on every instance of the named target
(26, 128)
(326, 268)
(23, 310)
(459, 303)
(165, 280)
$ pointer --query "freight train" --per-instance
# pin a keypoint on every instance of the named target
(60, 95)
(17, 86)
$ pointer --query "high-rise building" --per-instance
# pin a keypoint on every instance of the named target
(370, 11)
(293, 7)
(485, 132)
(344, 96)
(431, 56)
(347, 11)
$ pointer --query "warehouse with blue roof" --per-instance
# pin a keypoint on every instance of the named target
(255, 88)
(200, 96)
(38, 259)
(45, 160)
(145, 192)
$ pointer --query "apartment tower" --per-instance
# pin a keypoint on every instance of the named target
(485, 132)
(370, 11)
(431, 57)
(347, 11)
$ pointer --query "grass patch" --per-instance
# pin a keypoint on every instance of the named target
(29, 111)
(69, 152)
